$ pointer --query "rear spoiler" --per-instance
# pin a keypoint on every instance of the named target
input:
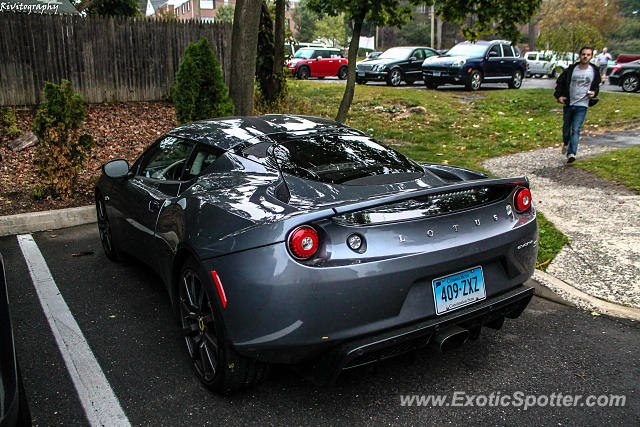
(378, 201)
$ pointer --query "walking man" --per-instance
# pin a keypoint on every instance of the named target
(577, 89)
(602, 61)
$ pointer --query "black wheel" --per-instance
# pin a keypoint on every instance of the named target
(394, 78)
(104, 227)
(516, 80)
(215, 362)
(431, 85)
(361, 81)
(342, 73)
(475, 80)
(304, 73)
(630, 83)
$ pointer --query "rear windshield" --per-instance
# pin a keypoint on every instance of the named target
(341, 158)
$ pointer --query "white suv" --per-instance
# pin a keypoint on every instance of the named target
(543, 64)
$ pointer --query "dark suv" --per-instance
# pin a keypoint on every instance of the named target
(394, 65)
(471, 64)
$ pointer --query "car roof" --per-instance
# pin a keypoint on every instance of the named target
(227, 132)
(486, 42)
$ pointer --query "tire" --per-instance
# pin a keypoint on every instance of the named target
(394, 78)
(303, 73)
(630, 83)
(431, 85)
(342, 73)
(216, 364)
(106, 234)
(475, 80)
(516, 80)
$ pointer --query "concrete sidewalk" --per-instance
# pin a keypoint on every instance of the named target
(601, 219)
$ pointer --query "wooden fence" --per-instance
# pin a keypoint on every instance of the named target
(107, 59)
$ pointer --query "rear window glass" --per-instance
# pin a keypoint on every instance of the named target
(340, 158)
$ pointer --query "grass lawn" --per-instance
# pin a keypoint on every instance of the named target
(464, 128)
(621, 166)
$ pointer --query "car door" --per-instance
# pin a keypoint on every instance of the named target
(328, 65)
(534, 64)
(157, 178)
(509, 63)
(494, 62)
(414, 65)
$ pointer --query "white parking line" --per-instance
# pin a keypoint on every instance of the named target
(100, 404)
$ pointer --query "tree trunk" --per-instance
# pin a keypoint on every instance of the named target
(532, 34)
(244, 42)
(439, 33)
(347, 98)
(278, 55)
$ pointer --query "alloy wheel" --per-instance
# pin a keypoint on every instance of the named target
(476, 80)
(517, 80)
(395, 78)
(342, 73)
(630, 84)
(104, 228)
(198, 326)
(303, 73)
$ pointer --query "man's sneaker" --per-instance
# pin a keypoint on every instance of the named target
(571, 158)
(564, 148)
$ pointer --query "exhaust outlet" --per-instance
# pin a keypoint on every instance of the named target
(449, 338)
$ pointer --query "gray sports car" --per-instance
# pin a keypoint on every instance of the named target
(298, 240)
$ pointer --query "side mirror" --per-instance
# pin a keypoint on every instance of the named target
(115, 169)
(413, 58)
(493, 54)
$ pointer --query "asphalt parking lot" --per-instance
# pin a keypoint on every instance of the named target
(124, 313)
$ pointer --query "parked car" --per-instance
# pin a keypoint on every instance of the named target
(372, 55)
(542, 64)
(623, 58)
(627, 76)
(394, 65)
(14, 409)
(318, 62)
(471, 64)
(299, 240)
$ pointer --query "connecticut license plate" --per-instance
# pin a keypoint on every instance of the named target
(459, 289)
(361, 73)
(436, 73)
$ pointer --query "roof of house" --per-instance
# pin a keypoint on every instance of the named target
(155, 4)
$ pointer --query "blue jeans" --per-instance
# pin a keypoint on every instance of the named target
(572, 119)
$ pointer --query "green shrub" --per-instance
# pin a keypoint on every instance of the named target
(8, 123)
(200, 92)
(62, 150)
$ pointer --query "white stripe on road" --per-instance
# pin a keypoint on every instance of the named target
(98, 400)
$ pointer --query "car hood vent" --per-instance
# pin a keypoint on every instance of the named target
(425, 206)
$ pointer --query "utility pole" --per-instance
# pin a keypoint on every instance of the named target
(432, 32)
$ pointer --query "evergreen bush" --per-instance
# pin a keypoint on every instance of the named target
(200, 92)
(8, 121)
(62, 150)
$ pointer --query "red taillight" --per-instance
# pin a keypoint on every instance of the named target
(523, 200)
(616, 68)
(303, 242)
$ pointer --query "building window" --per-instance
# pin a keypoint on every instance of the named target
(183, 8)
(189, 5)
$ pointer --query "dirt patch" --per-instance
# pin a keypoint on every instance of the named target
(120, 130)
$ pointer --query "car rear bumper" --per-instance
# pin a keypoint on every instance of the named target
(386, 344)
(444, 76)
(282, 311)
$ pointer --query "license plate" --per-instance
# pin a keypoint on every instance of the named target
(361, 73)
(436, 73)
(457, 290)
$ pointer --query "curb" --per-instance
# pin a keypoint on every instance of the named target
(551, 288)
(46, 220)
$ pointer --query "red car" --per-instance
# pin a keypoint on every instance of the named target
(318, 62)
